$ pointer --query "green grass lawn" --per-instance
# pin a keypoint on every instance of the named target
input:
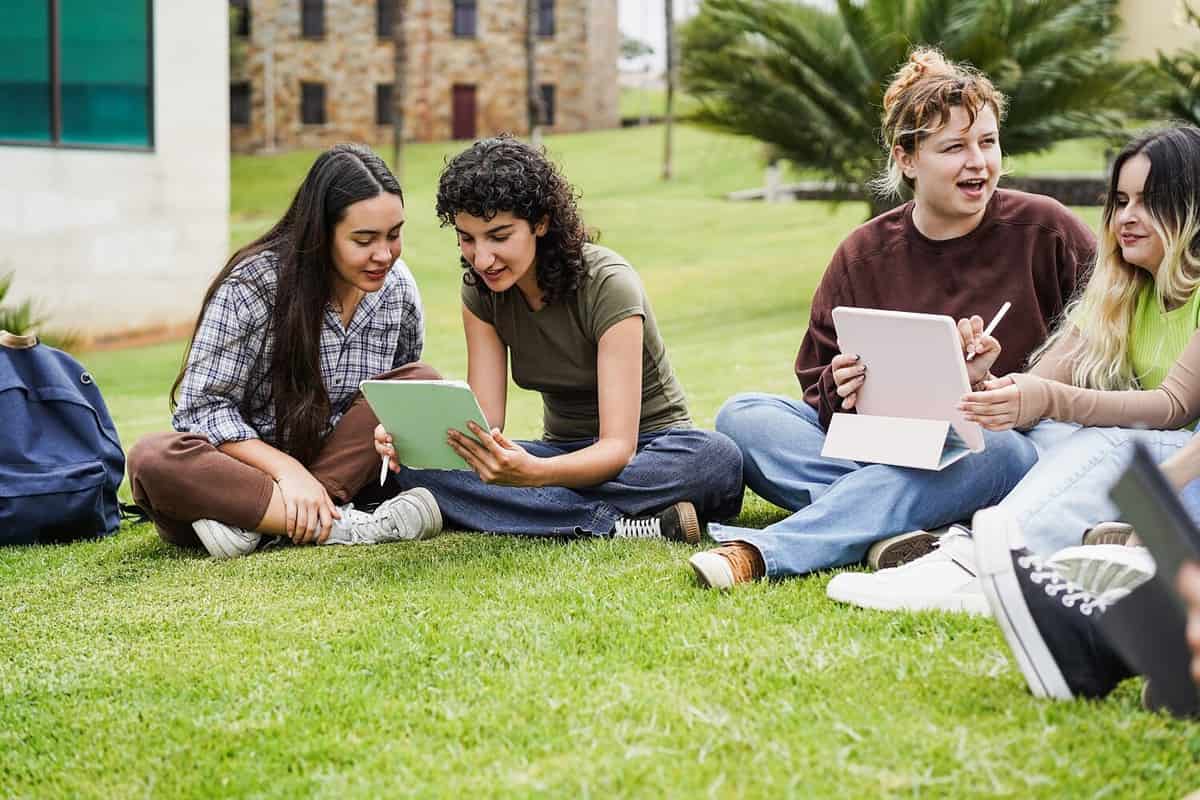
(484, 666)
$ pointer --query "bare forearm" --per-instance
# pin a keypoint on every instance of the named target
(590, 466)
(1184, 467)
(260, 455)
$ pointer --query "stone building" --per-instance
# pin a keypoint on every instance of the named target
(309, 73)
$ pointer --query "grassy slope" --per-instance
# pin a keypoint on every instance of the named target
(506, 667)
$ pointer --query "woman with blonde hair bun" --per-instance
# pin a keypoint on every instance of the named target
(960, 247)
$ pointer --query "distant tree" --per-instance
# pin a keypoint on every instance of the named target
(672, 75)
(399, 85)
(809, 82)
(1174, 85)
(534, 104)
(632, 48)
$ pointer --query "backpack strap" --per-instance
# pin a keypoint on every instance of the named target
(134, 513)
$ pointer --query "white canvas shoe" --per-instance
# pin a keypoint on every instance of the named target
(943, 580)
(408, 516)
(1107, 570)
(225, 541)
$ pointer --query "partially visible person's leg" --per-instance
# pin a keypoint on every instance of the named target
(1067, 492)
(781, 440)
(178, 478)
(681, 465)
(879, 500)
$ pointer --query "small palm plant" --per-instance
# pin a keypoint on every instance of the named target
(24, 318)
(809, 82)
(1174, 86)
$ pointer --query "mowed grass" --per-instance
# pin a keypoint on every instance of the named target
(482, 666)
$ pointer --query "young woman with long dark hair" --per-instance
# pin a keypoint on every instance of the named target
(619, 456)
(271, 436)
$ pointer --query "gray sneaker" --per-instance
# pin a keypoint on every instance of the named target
(408, 516)
(225, 541)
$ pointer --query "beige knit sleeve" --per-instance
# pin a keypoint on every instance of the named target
(1174, 404)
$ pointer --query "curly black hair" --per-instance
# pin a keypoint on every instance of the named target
(503, 174)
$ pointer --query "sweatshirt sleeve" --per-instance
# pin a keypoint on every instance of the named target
(820, 342)
(1172, 405)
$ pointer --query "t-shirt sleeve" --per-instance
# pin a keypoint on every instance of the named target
(617, 295)
(478, 304)
(820, 342)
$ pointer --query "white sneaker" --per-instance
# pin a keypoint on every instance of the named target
(225, 541)
(1110, 571)
(944, 580)
(408, 516)
(713, 570)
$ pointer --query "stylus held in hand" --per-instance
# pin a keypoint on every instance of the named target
(992, 325)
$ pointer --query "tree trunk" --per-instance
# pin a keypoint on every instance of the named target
(669, 11)
(399, 86)
(534, 95)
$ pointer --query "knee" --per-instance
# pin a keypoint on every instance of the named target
(147, 460)
(745, 415)
(717, 459)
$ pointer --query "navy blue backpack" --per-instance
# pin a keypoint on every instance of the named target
(60, 459)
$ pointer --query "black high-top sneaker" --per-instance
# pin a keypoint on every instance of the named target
(1050, 623)
(676, 523)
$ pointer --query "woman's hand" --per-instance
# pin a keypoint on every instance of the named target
(986, 348)
(996, 408)
(385, 448)
(849, 373)
(496, 459)
(309, 511)
(1188, 581)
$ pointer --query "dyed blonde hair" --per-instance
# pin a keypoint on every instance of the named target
(918, 102)
(1104, 311)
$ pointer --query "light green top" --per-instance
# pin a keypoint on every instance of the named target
(553, 350)
(1157, 337)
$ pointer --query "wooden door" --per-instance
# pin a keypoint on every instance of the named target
(462, 111)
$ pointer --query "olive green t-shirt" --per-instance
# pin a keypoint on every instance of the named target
(553, 350)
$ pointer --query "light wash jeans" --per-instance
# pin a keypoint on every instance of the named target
(1067, 491)
(842, 507)
(670, 466)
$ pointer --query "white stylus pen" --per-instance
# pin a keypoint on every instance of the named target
(992, 325)
(383, 471)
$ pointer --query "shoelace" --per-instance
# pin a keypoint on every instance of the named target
(643, 528)
(1058, 585)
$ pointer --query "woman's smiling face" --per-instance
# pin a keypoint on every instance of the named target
(502, 250)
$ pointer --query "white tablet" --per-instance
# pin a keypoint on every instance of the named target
(915, 366)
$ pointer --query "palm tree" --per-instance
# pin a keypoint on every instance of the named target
(1174, 83)
(809, 82)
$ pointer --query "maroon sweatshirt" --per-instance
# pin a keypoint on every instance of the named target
(1028, 249)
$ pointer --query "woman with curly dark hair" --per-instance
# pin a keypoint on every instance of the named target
(619, 455)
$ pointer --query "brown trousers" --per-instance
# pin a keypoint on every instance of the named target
(178, 478)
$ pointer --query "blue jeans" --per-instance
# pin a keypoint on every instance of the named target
(1067, 492)
(842, 507)
(670, 466)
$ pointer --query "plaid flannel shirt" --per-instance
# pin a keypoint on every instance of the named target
(226, 389)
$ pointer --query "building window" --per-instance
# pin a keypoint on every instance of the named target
(383, 104)
(385, 17)
(312, 103)
(241, 22)
(77, 72)
(547, 103)
(312, 19)
(545, 26)
(464, 18)
(239, 103)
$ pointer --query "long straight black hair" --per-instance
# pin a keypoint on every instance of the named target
(301, 243)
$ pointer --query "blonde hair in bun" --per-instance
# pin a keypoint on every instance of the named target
(917, 104)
